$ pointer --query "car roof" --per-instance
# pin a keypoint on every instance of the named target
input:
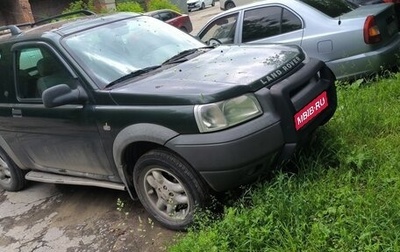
(159, 11)
(291, 4)
(64, 27)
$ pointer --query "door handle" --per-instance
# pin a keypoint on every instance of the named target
(16, 112)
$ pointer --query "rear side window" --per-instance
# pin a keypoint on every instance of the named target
(164, 16)
(267, 22)
(332, 8)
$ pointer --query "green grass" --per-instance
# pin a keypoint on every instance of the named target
(344, 195)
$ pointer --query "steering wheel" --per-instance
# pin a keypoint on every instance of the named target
(214, 42)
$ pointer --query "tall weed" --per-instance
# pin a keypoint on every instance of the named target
(341, 194)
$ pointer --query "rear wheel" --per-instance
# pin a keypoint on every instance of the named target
(203, 6)
(168, 188)
(229, 5)
(11, 177)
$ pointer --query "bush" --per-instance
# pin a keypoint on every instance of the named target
(80, 5)
(129, 7)
(161, 4)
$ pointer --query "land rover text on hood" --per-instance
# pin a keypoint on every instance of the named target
(125, 101)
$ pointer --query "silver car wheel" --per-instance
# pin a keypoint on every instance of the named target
(169, 188)
(167, 194)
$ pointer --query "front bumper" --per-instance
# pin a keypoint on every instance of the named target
(239, 155)
(231, 157)
(192, 6)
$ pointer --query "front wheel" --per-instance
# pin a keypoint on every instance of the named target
(11, 177)
(168, 188)
(203, 6)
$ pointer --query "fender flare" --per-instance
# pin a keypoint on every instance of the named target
(142, 132)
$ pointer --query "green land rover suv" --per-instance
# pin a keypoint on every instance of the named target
(127, 102)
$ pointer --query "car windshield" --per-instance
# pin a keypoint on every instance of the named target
(114, 50)
(332, 8)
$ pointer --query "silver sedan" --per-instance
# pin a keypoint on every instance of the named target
(353, 41)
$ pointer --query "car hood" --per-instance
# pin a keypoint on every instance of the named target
(221, 73)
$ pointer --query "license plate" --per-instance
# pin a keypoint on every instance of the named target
(311, 110)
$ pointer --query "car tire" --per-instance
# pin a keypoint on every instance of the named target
(203, 6)
(213, 3)
(183, 28)
(168, 188)
(229, 5)
(12, 178)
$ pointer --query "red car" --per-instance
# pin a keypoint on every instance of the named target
(181, 21)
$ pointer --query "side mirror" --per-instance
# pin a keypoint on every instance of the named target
(62, 94)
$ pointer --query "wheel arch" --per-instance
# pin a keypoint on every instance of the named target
(132, 142)
(7, 149)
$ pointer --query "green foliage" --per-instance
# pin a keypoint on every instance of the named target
(124, 6)
(80, 5)
(161, 4)
(342, 196)
(129, 7)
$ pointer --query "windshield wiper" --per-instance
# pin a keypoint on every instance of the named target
(133, 74)
(183, 54)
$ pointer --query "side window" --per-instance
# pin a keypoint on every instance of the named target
(166, 16)
(37, 70)
(261, 23)
(267, 22)
(290, 22)
(222, 29)
(27, 72)
(157, 16)
(174, 15)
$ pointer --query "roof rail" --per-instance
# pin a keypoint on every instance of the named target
(84, 12)
(14, 30)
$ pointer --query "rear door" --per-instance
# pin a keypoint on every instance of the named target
(271, 24)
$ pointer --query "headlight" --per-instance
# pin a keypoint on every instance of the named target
(224, 114)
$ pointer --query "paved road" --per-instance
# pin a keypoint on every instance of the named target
(47, 217)
(199, 18)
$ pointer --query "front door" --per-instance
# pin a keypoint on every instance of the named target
(64, 139)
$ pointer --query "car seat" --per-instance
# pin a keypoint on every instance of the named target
(52, 73)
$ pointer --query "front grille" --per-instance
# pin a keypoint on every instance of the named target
(293, 93)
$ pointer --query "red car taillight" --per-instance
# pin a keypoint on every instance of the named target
(372, 34)
(391, 1)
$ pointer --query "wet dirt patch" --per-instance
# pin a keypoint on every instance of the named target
(47, 217)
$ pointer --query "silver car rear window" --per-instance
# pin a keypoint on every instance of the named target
(332, 8)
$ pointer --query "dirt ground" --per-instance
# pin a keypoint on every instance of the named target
(47, 217)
